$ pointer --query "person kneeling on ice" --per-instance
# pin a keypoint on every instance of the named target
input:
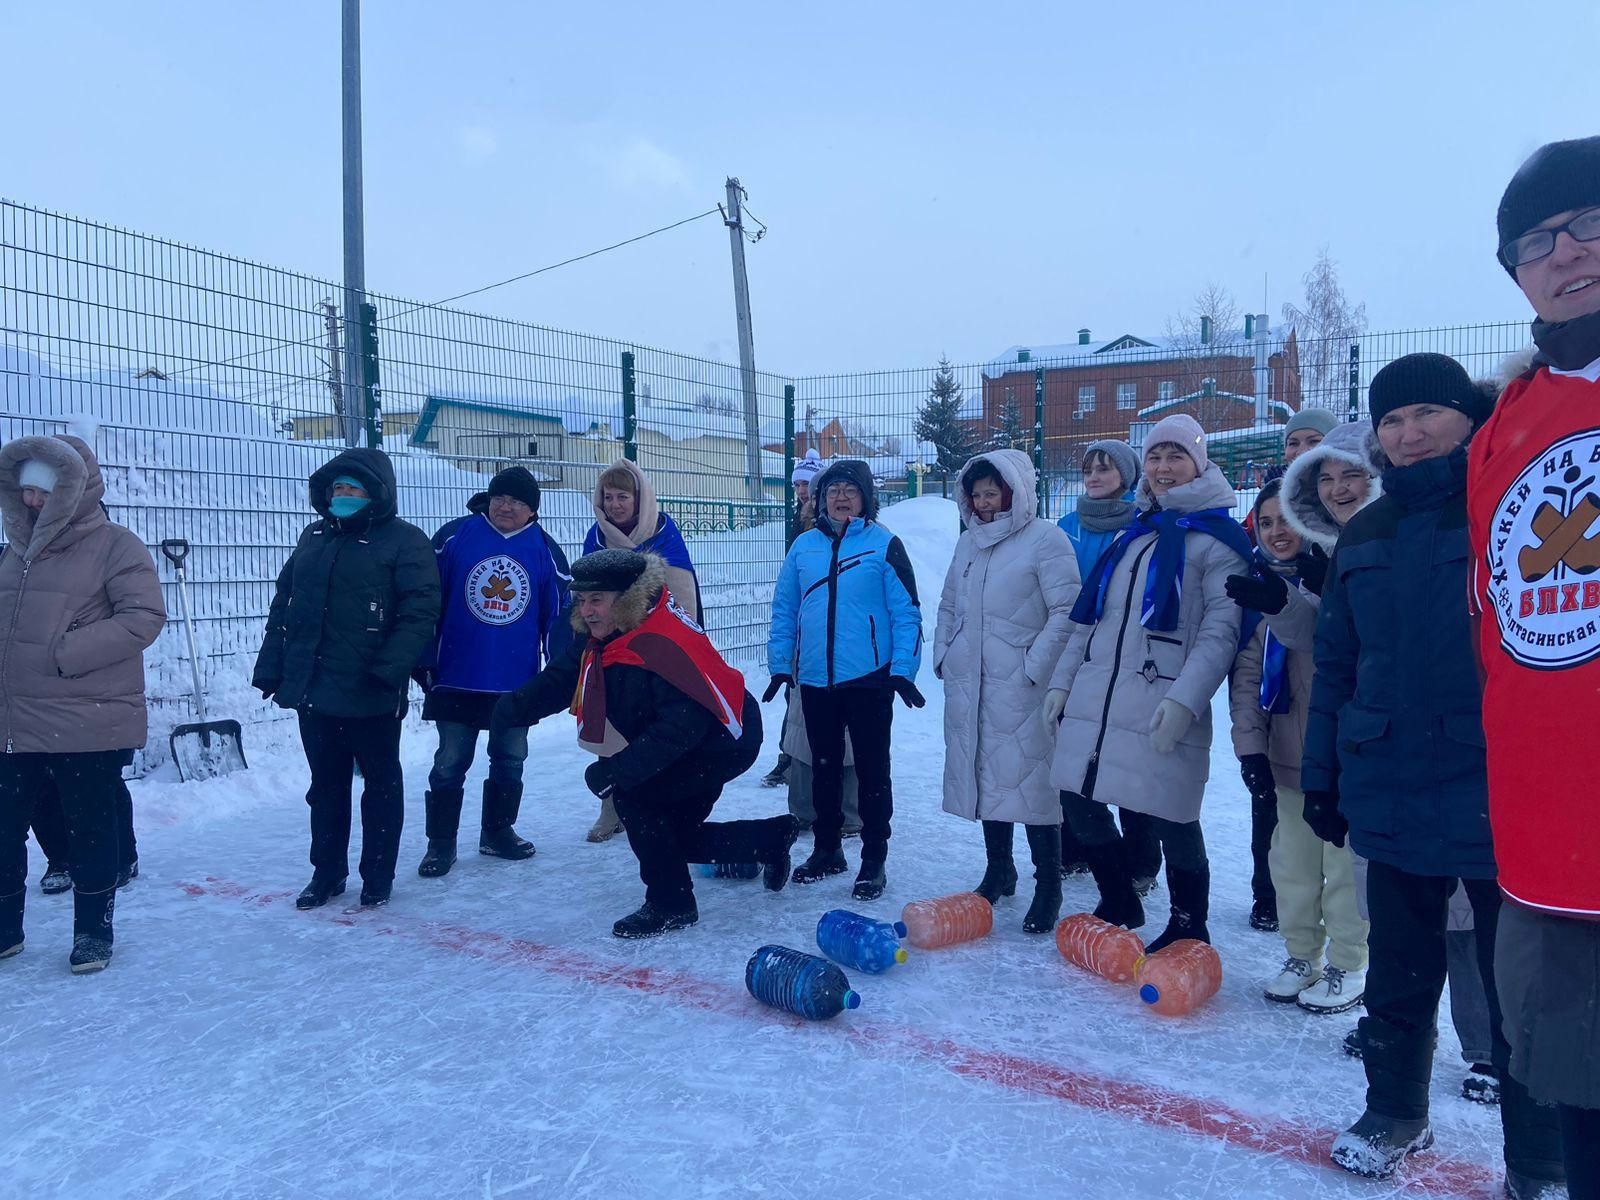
(503, 589)
(672, 724)
(1270, 695)
(1394, 758)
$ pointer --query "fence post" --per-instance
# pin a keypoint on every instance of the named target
(630, 414)
(1355, 380)
(369, 376)
(1038, 438)
(788, 453)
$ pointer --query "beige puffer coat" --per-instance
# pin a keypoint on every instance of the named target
(1004, 617)
(1280, 736)
(79, 602)
(1116, 673)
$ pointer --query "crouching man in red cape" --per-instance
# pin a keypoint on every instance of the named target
(671, 723)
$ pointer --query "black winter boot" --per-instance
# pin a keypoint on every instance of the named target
(91, 930)
(1073, 859)
(318, 892)
(1000, 876)
(870, 880)
(779, 774)
(776, 866)
(1376, 1145)
(820, 865)
(444, 822)
(11, 924)
(1191, 904)
(501, 803)
(56, 879)
(1119, 903)
(1045, 911)
(1534, 1166)
(648, 921)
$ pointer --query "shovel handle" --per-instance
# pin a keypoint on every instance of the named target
(176, 550)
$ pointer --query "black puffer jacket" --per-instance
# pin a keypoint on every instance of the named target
(675, 746)
(356, 604)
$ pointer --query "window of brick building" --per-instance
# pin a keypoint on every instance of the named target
(1127, 395)
(1086, 399)
(1166, 390)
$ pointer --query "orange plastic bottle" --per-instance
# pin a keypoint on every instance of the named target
(1179, 978)
(947, 920)
(1108, 950)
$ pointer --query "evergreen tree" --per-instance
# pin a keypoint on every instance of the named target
(1008, 432)
(939, 423)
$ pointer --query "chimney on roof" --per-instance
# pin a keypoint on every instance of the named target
(1083, 337)
(1249, 326)
(1024, 355)
(1205, 331)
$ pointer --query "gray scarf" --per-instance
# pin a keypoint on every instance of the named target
(1104, 516)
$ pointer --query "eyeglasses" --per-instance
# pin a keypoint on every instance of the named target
(843, 491)
(508, 501)
(1541, 243)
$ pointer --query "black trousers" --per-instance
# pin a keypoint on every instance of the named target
(1263, 822)
(1144, 837)
(88, 788)
(334, 746)
(866, 713)
(668, 832)
(50, 826)
(1580, 1138)
(1405, 978)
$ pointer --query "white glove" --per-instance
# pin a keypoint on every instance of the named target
(1055, 702)
(1171, 722)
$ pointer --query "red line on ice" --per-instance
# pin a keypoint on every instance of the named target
(1432, 1174)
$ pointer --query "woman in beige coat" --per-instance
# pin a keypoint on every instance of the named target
(1004, 617)
(1156, 634)
(79, 602)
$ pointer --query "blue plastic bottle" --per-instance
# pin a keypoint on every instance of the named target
(861, 943)
(800, 983)
(728, 870)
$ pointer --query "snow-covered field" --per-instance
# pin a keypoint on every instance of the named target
(485, 1036)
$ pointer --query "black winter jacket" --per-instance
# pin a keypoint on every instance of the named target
(675, 747)
(1396, 723)
(356, 604)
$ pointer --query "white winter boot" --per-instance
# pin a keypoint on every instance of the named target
(607, 825)
(1337, 992)
(1297, 975)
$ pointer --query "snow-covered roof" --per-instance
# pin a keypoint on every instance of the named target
(593, 413)
(1126, 348)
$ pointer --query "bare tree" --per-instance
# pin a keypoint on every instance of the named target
(1324, 328)
(1198, 372)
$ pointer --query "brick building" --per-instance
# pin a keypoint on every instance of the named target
(1232, 380)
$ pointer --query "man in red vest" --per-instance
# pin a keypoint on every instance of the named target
(1533, 503)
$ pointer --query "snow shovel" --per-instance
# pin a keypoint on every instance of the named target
(202, 749)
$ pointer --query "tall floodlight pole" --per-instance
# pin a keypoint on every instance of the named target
(355, 269)
(734, 219)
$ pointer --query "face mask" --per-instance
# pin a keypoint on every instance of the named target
(347, 506)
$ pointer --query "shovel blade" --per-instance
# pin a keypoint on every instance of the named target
(207, 749)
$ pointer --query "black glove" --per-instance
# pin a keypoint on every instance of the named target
(776, 684)
(1257, 774)
(907, 691)
(598, 778)
(1264, 591)
(269, 688)
(505, 715)
(425, 678)
(1322, 814)
(1313, 568)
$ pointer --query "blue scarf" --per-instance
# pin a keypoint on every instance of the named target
(1163, 587)
(1274, 654)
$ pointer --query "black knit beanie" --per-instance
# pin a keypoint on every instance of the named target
(1426, 379)
(607, 571)
(519, 484)
(1557, 178)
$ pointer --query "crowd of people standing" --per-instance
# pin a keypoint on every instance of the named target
(1404, 625)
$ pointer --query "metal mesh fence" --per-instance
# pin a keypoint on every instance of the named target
(211, 387)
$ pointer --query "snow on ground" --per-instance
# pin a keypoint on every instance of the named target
(486, 1036)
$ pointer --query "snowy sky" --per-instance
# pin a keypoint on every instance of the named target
(938, 177)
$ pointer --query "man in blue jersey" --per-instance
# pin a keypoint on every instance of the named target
(504, 582)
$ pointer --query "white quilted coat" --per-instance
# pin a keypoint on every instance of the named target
(1004, 617)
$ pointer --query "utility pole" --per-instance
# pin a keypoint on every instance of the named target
(355, 268)
(330, 323)
(733, 218)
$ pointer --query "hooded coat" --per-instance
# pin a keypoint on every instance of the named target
(1116, 673)
(1004, 617)
(1352, 442)
(80, 601)
(654, 532)
(357, 604)
(845, 610)
(657, 737)
(1280, 736)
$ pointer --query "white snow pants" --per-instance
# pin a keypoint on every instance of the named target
(1316, 890)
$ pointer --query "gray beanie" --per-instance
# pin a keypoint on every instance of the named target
(1122, 457)
(1321, 420)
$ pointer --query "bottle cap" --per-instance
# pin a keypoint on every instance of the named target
(899, 929)
(900, 955)
(1149, 993)
(851, 999)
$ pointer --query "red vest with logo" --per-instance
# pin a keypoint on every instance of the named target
(1533, 505)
